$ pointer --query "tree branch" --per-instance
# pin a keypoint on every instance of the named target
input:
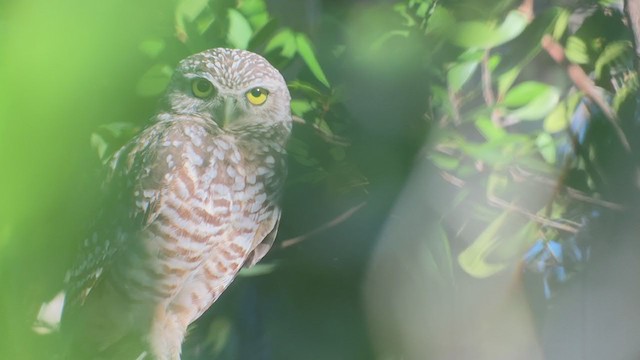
(336, 221)
(329, 138)
(586, 85)
(568, 226)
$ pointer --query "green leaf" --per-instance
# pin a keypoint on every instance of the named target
(444, 161)
(110, 137)
(539, 107)
(488, 129)
(531, 100)
(523, 93)
(466, 170)
(518, 243)
(300, 106)
(525, 48)
(629, 88)
(441, 22)
(464, 68)
(559, 118)
(252, 7)
(255, 11)
(476, 34)
(99, 144)
(458, 75)
(613, 51)
(285, 40)
(473, 259)
(389, 36)
(507, 79)
(547, 147)
(437, 258)
(204, 21)
(322, 125)
(309, 57)
(607, 3)
(119, 129)
(493, 62)
(239, 30)
(258, 270)
(261, 36)
(498, 152)
(576, 50)
(561, 23)
(155, 80)
(188, 10)
(307, 89)
(152, 47)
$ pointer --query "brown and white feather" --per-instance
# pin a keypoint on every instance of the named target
(189, 202)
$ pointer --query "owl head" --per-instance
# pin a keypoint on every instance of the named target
(233, 88)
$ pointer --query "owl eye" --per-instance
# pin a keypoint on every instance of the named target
(202, 88)
(257, 96)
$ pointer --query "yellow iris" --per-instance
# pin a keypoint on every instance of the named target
(202, 88)
(257, 96)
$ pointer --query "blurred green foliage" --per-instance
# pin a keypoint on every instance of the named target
(524, 151)
(519, 126)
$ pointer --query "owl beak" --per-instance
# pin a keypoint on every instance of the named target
(226, 112)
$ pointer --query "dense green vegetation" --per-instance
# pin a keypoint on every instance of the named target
(442, 150)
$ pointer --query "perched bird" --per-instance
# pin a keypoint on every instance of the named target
(189, 201)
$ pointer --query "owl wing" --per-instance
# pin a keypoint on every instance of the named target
(128, 207)
(99, 323)
(265, 236)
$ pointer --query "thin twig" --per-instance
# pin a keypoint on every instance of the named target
(330, 138)
(572, 192)
(572, 227)
(455, 103)
(496, 201)
(581, 196)
(452, 179)
(336, 221)
(487, 90)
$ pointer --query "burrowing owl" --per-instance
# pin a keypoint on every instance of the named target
(190, 200)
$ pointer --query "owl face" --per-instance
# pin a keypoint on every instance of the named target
(233, 88)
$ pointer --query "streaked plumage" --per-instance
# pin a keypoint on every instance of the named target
(190, 200)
